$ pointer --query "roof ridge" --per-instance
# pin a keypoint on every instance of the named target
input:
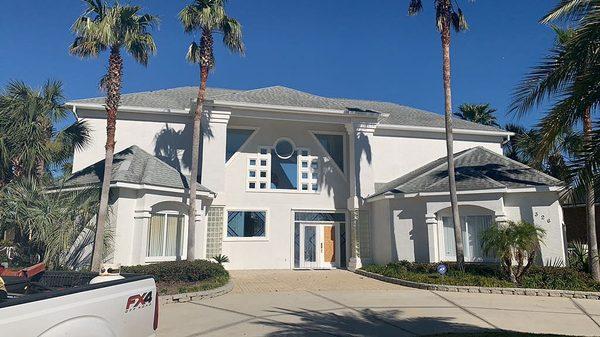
(165, 89)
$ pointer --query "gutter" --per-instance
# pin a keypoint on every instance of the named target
(502, 133)
(126, 108)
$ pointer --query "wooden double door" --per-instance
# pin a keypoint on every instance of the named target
(319, 248)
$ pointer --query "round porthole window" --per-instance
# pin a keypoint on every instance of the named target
(284, 149)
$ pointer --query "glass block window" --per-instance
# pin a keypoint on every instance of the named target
(334, 145)
(165, 235)
(259, 168)
(235, 139)
(318, 216)
(308, 171)
(246, 224)
(214, 231)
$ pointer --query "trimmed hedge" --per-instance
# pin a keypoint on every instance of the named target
(180, 271)
(487, 275)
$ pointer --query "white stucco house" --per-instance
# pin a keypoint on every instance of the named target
(294, 180)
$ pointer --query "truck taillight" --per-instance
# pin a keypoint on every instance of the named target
(155, 323)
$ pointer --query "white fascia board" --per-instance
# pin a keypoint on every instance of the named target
(127, 108)
(285, 108)
(443, 130)
(390, 195)
(160, 189)
(132, 186)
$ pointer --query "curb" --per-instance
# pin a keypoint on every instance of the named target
(196, 296)
(483, 290)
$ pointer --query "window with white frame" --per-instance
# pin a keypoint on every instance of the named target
(472, 228)
(165, 235)
(246, 224)
(283, 166)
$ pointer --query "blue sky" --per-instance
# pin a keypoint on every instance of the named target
(355, 49)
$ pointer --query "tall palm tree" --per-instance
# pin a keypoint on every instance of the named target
(30, 145)
(478, 113)
(207, 17)
(569, 77)
(447, 17)
(103, 27)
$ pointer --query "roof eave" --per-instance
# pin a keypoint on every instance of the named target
(500, 133)
(127, 108)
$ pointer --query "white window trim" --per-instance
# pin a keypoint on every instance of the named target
(246, 239)
(184, 239)
(255, 131)
(324, 150)
(442, 241)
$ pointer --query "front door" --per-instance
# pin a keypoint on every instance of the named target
(318, 246)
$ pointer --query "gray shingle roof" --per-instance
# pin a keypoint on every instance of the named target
(176, 98)
(476, 169)
(133, 165)
(180, 98)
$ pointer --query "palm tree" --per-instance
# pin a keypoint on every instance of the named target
(46, 222)
(478, 113)
(207, 17)
(102, 27)
(447, 17)
(569, 76)
(30, 145)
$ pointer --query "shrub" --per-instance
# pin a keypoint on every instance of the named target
(179, 271)
(488, 275)
(517, 241)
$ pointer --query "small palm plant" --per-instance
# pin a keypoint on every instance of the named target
(514, 245)
(478, 113)
(220, 259)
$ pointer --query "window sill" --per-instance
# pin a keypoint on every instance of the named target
(242, 239)
(154, 259)
(283, 191)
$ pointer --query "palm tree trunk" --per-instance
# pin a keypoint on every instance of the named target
(460, 255)
(590, 205)
(113, 98)
(204, 68)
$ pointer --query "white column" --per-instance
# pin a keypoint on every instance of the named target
(432, 237)
(214, 137)
(360, 142)
(140, 244)
(200, 220)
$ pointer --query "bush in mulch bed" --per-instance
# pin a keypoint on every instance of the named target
(183, 276)
(487, 275)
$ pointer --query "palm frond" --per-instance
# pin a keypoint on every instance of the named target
(415, 7)
(232, 35)
(567, 10)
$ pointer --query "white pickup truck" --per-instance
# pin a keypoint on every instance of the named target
(65, 304)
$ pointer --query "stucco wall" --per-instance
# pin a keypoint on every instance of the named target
(167, 137)
(544, 210)
(397, 153)
(276, 251)
(410, 237)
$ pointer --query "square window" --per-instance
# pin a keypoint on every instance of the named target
(264, 150)
(314, 165)
(263, 162)
(252, 162)
(304, 175)
(304, 164)
(263, 174)
(252, 174)
(315, 187)
(263, 186)
(305, 187)
(246, 224)
(252, 185)
(315, 175)
(304, 153)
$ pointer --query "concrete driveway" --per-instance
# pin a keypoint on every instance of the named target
(341, 303)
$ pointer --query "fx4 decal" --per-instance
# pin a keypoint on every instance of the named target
(138, 301)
